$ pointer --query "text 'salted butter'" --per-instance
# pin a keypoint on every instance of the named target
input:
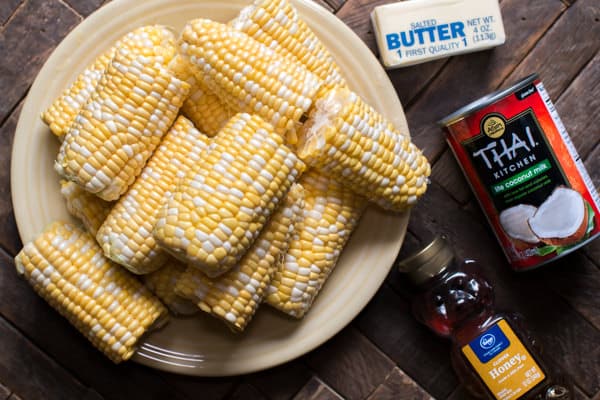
(414, 31)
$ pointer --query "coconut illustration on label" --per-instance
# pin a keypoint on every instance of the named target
(515, 222)
(561, 220)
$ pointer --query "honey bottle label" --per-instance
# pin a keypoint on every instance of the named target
(503, 363)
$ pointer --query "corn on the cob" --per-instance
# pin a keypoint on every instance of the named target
(206, 110)
(208, 113)
(62, 112)
(331, 212)
(162, 283)
(90, 209)
(348, 140)
(223, 203)
(234, 296)
(134, 105)
(104, 302)
(248, 76)
(126, 234)
(277, 25)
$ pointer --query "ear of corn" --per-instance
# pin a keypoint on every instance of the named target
(348, 140)
(248, 76)
(162, 283)
(331, 213)
(115, 133)
(206, 110)
(90, 209)
(223, 203)
(234, 296)
(62, 112)
(277, 25)
(126, 234)
(104, 302)
(208, 113)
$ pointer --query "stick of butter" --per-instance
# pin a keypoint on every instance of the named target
(415, 31)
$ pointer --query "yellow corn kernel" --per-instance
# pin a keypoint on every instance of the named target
(90, 209)
(348, 140)
(248, 76)
(104, 302)
(126, 234)
(62, 112)
(162, 283)
(277, 25)
(230, 195)
(115, 133)
(331, 212)
(208, 113)
(234, 296)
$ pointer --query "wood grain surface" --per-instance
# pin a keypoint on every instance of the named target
(384, 353)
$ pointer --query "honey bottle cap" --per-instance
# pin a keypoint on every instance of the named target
(428, 262)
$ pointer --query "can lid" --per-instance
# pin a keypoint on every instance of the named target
(427, 262)
(485, 101)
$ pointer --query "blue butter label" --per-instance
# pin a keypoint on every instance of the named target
(490, 343)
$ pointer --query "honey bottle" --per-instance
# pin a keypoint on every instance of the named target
(493, 353)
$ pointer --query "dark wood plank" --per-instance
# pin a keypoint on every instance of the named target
(92, 395)
(447, 173)
(26, 42)
(4, 392)
(567, 46)
(30, 372)
(468, 77)
(410, 81)
(355, 14)
(388, 322)
(7, 8)
(325, 5)
(245, 392)
(577, 280)
(579, 395)
(460, 394)
(395, 279)
(30, 314)
(9, 236)
(592, 164)
(557, 325)
(85, 7)
(574, 107)
(334, 5)
(190, 386)
(281, 383)
(316, 389)
(399, 385)
(350, 364)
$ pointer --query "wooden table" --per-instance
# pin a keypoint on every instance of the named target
(383, 353)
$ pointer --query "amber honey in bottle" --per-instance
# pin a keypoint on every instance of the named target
(493, 354)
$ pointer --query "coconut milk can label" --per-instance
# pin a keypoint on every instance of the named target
(513, 160)
(503, 363)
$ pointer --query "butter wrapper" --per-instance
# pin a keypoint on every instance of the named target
(415, 31)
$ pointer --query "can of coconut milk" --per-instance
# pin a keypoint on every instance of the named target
(525, 172)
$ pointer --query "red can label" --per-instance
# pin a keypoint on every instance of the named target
(527, 176)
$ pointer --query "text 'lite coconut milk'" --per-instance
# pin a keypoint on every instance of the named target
(526, 173)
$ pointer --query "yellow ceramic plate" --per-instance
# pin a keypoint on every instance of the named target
(201, 345)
